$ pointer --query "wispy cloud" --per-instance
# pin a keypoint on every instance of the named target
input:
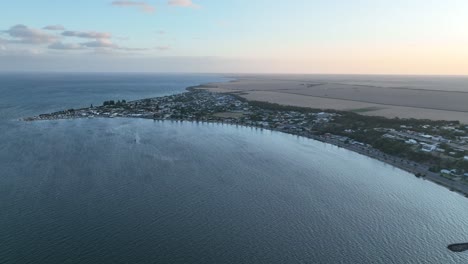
(131, 49)
(65, 46)
(99, 43)
(144, 7)
(163, 48)
(183, 3)
(54, 27)
(25, 35)
(21, 34)
(90, 34)
(16, 53)
(108, 44)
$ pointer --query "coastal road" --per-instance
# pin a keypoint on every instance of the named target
(403, 164)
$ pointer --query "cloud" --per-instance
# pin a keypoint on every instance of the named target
(163, 48)
(54, 27)
(65, 46)
(144, 7)
(91, 34)
(96, 40)
(107, 44)
(182, 3)
(99, 43)
(6, 52)
(161, 32)
(131, 49)
(25, 35)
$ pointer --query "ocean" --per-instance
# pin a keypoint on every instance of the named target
(143, 191)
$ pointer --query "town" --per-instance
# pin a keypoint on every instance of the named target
(437, 150)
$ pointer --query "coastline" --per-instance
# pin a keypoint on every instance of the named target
(418, 169)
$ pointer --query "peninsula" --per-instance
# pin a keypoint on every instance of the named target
(435, 150)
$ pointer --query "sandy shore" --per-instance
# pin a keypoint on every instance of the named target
(403, 99)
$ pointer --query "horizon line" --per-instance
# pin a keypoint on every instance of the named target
(234, 73)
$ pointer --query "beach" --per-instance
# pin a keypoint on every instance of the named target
(402, 98)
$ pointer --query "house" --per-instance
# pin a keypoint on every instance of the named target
(445, 172)
(343, 139)
(444, 140)
(428, 148)
(466, 158)
(357, 143)
(411, 142)
(323, 115)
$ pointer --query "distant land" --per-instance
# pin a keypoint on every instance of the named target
(431, 97)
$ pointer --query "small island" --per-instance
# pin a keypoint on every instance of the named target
(434, 150)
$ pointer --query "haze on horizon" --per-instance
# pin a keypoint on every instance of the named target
(245, 36)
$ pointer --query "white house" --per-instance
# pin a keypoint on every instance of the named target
(323, 115)
(446, 172)
(389, 136)
(466, 158)
(428, 148)
(426, 136)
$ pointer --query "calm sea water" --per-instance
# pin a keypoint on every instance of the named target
(139, 191)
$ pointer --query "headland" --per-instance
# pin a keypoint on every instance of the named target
(434, 150)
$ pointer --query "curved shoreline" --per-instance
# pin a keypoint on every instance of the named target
(418, 169)
(375, 154)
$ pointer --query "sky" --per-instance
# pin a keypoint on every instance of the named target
(236, 36)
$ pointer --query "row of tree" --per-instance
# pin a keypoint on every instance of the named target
(112, 102)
